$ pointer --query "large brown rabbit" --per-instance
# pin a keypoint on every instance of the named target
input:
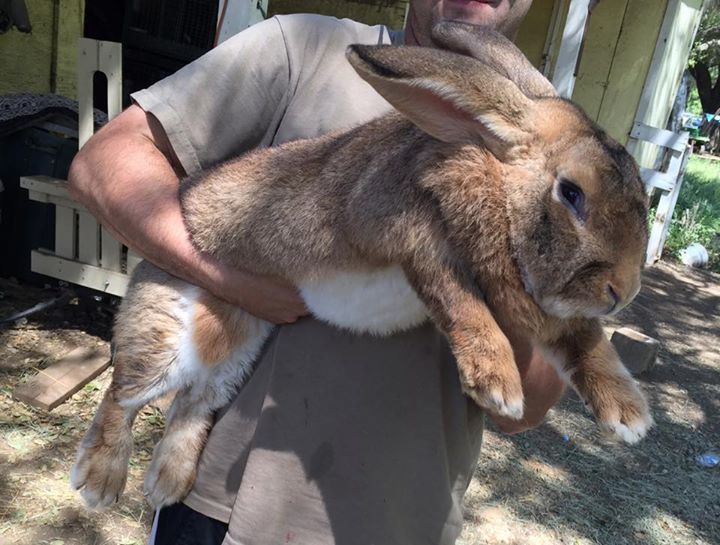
(491, 206)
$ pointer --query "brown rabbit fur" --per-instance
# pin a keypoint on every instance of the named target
(510, 214)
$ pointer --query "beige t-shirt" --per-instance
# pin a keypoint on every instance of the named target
(337, 438)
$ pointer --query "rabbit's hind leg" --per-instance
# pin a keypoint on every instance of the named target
(224, 342)
(144, 369)
(101, 466)
(172, 471)
(173, 467)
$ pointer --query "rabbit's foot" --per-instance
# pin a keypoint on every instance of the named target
(171, 473)
(492, 379)
(623, 410)
(498, 397)
(100, 471)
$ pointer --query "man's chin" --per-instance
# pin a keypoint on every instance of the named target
(475, 12)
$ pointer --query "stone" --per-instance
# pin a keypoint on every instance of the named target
(638, 352)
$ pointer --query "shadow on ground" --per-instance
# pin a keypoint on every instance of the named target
(565, 483)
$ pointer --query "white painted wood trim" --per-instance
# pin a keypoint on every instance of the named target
(87, 64)
(88, 239)
(110, 63)
(110, 251)
(554, 34)
(45, 184)
(572, 39)
(654, 179)
(132, 261)
(97, 56)
(79, 273)
(65, 245)
(663, 216)
(674, 140)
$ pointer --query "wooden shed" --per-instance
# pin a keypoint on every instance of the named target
(622, 61)
(627, 50)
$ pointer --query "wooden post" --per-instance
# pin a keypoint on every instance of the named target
(572, 39)
(664, 213)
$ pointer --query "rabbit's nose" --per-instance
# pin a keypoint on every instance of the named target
(621, 293)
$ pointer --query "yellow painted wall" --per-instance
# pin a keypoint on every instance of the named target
(533, 32)
(601, 39)
(25, 59)
(686, 19)
(618, 53)
(633, 55)
(619, 46)
(685, 16)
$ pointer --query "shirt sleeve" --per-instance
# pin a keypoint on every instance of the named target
(226, 102)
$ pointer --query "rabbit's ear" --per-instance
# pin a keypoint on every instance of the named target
(495, 50)
(453, 98)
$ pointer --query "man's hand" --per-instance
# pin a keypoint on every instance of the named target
(541, 386)
(128, 176)
(269, 298)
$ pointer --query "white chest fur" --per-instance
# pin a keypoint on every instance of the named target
(379, 302)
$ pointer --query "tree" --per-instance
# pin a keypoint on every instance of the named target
(704, 63)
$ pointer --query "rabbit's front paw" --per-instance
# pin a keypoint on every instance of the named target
(171, 474)
(100, 471)
(624, 411)
(491, 378)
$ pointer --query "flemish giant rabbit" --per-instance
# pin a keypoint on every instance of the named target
(491, 206)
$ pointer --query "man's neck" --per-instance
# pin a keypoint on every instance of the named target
(414, 34)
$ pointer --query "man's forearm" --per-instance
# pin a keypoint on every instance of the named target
(131, 186)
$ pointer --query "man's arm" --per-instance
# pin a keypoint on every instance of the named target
(128, 177)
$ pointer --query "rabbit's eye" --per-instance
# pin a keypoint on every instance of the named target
(573, 197)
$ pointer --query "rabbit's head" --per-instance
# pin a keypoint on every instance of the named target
(579, 227)
(576, 204)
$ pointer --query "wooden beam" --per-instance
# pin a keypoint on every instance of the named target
(53, 385)
(676, 141)
(49, 264)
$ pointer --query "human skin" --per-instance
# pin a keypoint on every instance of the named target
(134, 194)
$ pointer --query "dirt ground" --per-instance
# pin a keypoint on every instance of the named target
(562, 483)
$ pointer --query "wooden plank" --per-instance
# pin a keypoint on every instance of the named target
(88, 239)
(663, 216)
(46, 184)
(631, 62)
(110, 251)
(661, 137)
(82, 274)
(132, 261)
(65, 232)
(109, 59)
(655, 178)
(60, 201)
(86, 68)
(53, 385)
(601, 38)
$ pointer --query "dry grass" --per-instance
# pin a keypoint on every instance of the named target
(37, 448)
(559, 484)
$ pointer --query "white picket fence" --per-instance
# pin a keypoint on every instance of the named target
(673, 156)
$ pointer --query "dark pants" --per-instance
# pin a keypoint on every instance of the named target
(180, 525)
